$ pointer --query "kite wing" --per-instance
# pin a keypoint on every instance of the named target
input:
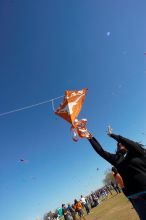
(71, 106)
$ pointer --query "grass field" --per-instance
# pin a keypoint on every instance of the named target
(116, 207)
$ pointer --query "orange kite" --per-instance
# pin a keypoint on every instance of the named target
(69, 110)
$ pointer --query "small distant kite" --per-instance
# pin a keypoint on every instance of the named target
(108, 33)
(145, 53)
(69, 110)
(23, 161)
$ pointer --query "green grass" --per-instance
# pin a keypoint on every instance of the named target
(115, 207)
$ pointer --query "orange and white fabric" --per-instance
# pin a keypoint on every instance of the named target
(79, 129)
(69, 110)
(71, 106)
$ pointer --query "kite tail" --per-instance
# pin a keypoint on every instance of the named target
(79, 129)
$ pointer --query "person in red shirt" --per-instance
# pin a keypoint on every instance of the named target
(78, 208)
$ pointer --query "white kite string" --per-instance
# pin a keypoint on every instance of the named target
(53, 105)
(30, 106)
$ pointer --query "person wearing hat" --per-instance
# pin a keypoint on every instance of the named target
(130, 162)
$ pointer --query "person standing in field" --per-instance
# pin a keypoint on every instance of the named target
(85, 204)
(66, 213)
(116, 187)
(118, 178)
(72, 211)
(130, 162)
(79, 209)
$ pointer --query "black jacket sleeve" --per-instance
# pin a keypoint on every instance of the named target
(131, 146)
(111, 158)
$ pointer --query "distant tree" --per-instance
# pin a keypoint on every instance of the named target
(108, 177)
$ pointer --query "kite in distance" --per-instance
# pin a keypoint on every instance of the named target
(69, 110)
(23, 161)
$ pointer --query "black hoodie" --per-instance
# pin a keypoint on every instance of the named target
(131, 167)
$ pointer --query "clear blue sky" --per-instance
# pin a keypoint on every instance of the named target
(47, 47)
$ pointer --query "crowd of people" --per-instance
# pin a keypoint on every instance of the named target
(82, 207)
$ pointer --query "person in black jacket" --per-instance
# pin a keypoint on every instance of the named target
(130, 161)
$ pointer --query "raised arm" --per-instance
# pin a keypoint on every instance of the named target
(111, 158)
(130, 145)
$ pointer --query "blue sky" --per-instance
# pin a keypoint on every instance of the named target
(47, 47)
